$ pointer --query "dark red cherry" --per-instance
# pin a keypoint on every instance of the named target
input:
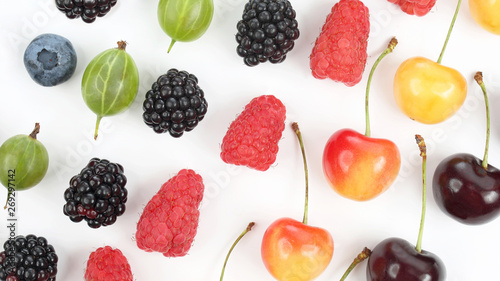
(466, 188)
(395, 259)
(466, 191)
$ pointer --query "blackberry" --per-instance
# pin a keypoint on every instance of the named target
(88, 10)
(97, 194)
(175, 103)
(267, 31)
(28, 258)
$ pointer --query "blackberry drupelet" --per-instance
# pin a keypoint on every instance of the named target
(28, 258)
(97, 194)
(175, 103)
(88, 10)
(267, 31)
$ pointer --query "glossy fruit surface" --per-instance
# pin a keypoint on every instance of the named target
(24, 161)
(110, 82)
(185, 20)
(395, 259)
(295, 251)
(487, 14)
(50, 59)
(428, 92)
(466, 191)
(359, 167)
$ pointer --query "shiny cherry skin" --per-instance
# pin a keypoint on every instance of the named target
(487, 14)
(466, 191)
(295, 251)
(395, 259)
(427, 91)
(360, 167)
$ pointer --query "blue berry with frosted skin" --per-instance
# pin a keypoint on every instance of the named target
(50, 59)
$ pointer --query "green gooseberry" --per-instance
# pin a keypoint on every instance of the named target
(185, 20)
(24, 161)
(110, 83)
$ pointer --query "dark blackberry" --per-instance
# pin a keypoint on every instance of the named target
(97, 194)
(266, 32)
(28, 258)
(175, 103)
(88, 10)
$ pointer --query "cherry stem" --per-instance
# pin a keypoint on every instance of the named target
(449, 31)
(479, 79)
(295, 128)
(249, 227)
(35, 131)
(361, 257)
(97, 126)
(423, 154)
(388, 50)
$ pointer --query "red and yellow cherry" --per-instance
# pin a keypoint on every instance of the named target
(427, 91)
(293, 250)
(466, 188)
(487, 14)
(358, 166)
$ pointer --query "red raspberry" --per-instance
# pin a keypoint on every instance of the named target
(252, 138)
(415, 7)
(170, 219)
(340, 50)
(108, 264)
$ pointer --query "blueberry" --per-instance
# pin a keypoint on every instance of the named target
(50, 59)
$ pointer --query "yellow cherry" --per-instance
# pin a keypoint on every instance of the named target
(427, 91)
(487, 14)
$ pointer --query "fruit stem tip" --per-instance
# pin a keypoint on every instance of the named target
(171, 45)
(35, 131)
(359, 258)
(122, 45)
(97, 127)
(250, 225)
(479, 77)
(392, 44)
(421, 145)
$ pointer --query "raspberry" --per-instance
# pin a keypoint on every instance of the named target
(252, 138)
(97, 194)
(27, 259)
(340, 50)
(170, 219)
(415, 7)
(89, 10)
(267, 31)
(108, 264)
(175, 103)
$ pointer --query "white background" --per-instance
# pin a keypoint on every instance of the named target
(235, 196)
